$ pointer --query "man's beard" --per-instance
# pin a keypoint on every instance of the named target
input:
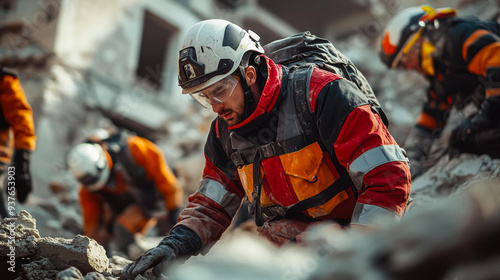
(238, 118)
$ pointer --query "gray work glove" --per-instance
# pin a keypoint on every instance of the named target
(159, 257)
(182, 242)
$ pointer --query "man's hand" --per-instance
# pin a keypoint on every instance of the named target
(159, 257)
(182, 242)
(21, 163)
(463, 136)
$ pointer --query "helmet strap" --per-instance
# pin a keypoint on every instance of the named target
(249, 59)
(248, 95)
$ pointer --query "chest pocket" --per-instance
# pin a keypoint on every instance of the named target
(309, 175)
(296, 177)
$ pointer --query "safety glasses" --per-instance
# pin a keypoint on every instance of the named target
(216, 93)
(411, 46)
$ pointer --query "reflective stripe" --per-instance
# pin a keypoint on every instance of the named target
(366, 214)
(373, 158)
(218, 193)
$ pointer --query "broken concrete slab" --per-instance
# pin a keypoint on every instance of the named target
(82, 252)
(22, 229)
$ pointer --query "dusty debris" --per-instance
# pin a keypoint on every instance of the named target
(40, 269)
(116, 264)
(23, 226)
(96, 276)
(451, 238)
(82, 252)
(46, 257)
(70, 273)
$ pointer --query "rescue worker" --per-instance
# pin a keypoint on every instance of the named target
(460, 57)
(122, 178)
(300, 157)
(17, 138)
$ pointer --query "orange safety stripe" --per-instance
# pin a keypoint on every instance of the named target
(387, 47)
(427, 121)
(487, 57)
(492, 92)
(472, 38)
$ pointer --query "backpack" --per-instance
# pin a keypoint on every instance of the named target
(143, 189)
(306, 49)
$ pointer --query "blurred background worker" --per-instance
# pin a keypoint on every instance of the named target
(17, 131)
(123, 177)
(460, 57)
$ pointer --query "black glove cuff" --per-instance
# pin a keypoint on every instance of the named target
(184, 241)
(21, 155)
(490, 108)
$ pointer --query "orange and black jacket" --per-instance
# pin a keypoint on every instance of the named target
(347, 146)
(17, 129)
(119, 192)
(461, 59)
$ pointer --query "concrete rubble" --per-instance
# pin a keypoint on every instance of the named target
(453, 238)
(39, 257)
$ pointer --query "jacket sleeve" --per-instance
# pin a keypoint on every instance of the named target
(18, 113)
(92, 211)
(434, 112)
(149, 156)
(480, 50)
(211, 208)
(364, 147)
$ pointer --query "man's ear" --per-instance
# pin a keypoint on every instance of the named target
(250, 75)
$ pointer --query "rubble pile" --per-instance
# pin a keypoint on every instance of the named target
(34, 257)
(454, 238)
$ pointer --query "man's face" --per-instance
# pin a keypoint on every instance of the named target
(232, 110)
(411, 60)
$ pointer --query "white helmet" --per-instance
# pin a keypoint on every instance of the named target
(212, 50)
(89, 165)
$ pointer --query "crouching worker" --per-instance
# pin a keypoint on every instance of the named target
(303, 144)
(460, 57)
(123, 179)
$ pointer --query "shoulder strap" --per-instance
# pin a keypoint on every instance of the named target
(306, 118)
(123, 159)
(7, 71)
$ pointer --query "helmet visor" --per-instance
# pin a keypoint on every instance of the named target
(216, 93)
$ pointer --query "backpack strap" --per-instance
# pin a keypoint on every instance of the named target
(301, 91)
(142, 188)
(4, 71)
